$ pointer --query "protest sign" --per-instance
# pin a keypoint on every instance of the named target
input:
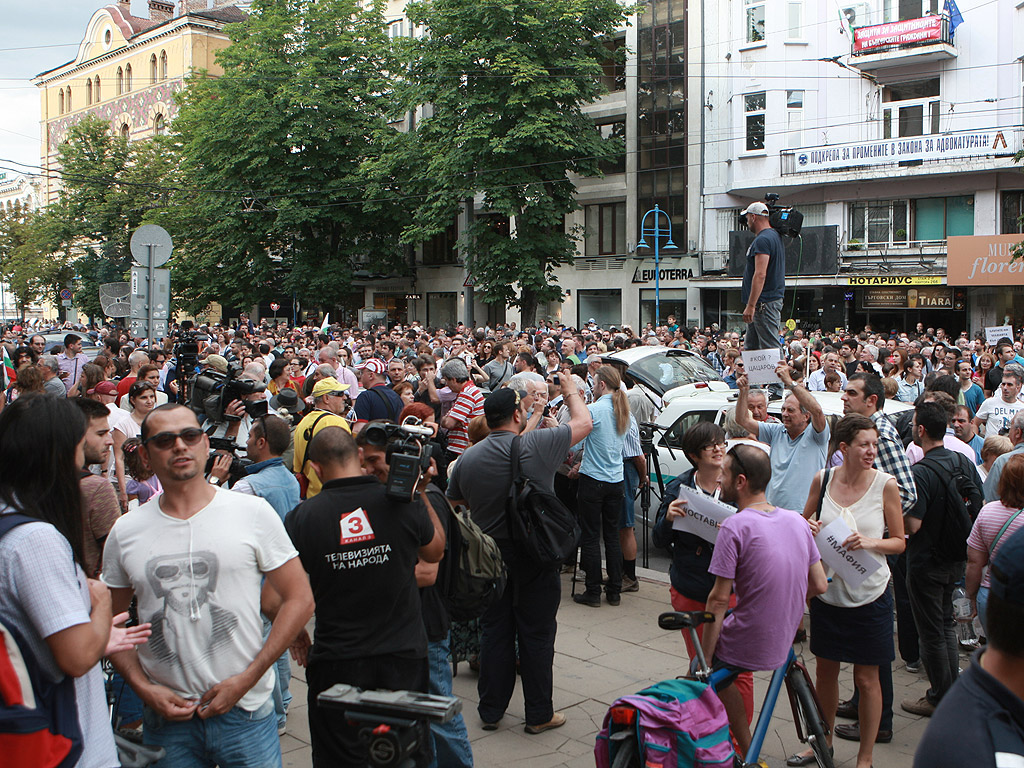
(705, 514)
(995, 333)
(760, 365)
(852, 567)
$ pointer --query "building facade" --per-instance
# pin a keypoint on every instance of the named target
(128, 69)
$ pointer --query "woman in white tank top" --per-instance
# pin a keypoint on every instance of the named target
(853, 623)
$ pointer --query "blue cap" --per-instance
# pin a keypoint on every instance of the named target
(1007, 572)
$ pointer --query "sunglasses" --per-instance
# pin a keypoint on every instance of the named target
(165, 440)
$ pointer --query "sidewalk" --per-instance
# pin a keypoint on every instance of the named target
(603, 653)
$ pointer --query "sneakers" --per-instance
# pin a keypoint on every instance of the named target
(592, 601)
(557, 721)
(630, 585)
(921, 707)
(914, 667)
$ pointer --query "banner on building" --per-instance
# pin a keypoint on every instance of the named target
(984, 260)
(895, 280)
(908, 32)
(942, 146)
(926, 297)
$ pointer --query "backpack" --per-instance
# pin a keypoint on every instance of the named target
(475, 573)
(680, 724)
(38, 717)
(539, 522)
(963, 501)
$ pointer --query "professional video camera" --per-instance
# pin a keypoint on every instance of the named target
(394, 724)
(786, 221)
(224, 445)
(408, 453)
(212, 391)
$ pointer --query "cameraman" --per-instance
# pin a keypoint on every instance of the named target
(268, 478)
(369, 623)
(451, 742)
(238, 421)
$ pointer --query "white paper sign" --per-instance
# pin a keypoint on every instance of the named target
(760, 365)
(994, 334)
(705, 515)
(852, 567)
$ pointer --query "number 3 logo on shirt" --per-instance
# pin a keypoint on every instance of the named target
(355, 526)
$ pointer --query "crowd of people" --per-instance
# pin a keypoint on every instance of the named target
(222, 564)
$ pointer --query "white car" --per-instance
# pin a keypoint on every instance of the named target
(660, 370)
(708, 401)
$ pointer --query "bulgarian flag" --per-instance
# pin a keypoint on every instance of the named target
(9, 371)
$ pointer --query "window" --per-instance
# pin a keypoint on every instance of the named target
(879, 223)
(606, 229)
(88, 92)
(96, 89)
(396, 29)
(615, 130)
(605, 306)
(936, 218)
(440, 249)
(673, 436)
(795, 20)
(902, 10)
(754, 11)
(60, 102)
(120, 81)
(163, 65)
(128, 78)
(152, 68)
(753, 107)
(915, 107)
(125, 131)
(69, 99)
(1013, 209)
(159, 125)
(795, 117)
(614, 78)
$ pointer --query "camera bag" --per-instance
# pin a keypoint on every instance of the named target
(540, 523)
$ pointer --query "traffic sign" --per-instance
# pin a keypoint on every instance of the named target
(66, 302)
(65, 294)
(150, 242)
(274, 306)
(469, 282)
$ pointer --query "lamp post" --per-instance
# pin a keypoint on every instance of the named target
(656, 232)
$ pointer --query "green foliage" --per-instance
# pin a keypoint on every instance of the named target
(506, 82)
(274, 151)
(30, 271)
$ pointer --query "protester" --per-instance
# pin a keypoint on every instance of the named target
(764, 281)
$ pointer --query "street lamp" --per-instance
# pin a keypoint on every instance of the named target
(656, 232)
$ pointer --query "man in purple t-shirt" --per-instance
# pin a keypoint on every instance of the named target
(767, 554)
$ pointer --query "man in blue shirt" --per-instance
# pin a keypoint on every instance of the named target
(378, 401)
(764, 281)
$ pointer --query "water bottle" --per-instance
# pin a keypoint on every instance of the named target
(965, 635)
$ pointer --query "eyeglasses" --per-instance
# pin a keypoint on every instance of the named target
(165, 440)
(713, 446)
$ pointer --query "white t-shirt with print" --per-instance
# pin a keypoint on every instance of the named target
(997, 414)
(198, 581)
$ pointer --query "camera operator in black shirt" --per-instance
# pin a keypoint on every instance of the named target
(360, 548)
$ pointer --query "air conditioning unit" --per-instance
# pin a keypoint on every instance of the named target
(714, 261)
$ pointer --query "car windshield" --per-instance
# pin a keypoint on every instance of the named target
(663, 372)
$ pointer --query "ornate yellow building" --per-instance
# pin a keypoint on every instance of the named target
(128, 69)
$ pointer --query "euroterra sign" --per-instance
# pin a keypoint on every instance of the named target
(946, 146)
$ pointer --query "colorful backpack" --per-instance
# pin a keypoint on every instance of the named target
(680, 724)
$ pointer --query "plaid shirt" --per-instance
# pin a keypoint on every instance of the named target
(892, 460)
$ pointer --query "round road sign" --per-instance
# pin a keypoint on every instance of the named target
(151, 239)
(65, 294)
(274, 306)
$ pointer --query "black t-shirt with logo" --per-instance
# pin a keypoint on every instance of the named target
(360, 548)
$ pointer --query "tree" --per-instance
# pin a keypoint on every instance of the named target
(30, 271)
(506, 82)
(273, 152)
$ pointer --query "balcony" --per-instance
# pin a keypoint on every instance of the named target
(899, 43)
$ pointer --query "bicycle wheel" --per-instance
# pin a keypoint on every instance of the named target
(627, 755)
(810, 719)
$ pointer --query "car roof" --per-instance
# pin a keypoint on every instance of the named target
(635, 354)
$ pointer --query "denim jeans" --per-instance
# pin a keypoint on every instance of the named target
(600, 506)
(763, 332)
(931, 598)
(630, 479)
(451, 742)
(906, 630)
(982, 603)
(236, 739)
(282, 677)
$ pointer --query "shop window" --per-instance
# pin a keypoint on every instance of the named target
(1012, 210)
(936, 218)
(606, 229)
(754, 23)
(914, 107)
(604, 306)
(754, 110)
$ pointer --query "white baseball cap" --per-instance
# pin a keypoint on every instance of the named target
(758, 209)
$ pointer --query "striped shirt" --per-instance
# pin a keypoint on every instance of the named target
(990, 520)
(631, 445)
(468, 405)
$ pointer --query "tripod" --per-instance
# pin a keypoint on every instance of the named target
(647, 430)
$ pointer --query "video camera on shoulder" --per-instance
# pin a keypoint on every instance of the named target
(212, 391)
(408, 453)
(785, 220)
(224, 445)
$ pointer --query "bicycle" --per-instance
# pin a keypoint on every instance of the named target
(811, 727)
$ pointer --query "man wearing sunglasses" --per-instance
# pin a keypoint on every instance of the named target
(195, 557)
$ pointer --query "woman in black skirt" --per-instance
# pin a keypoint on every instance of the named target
(852, 623)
